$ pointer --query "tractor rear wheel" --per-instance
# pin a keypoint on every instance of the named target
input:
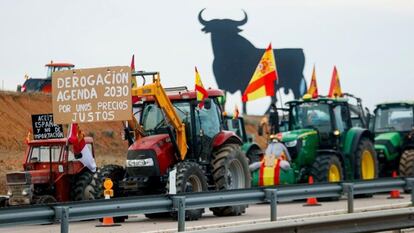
(407, 163)
(190, 178)
(327, 168)
(116, 173)
(366, 161)
(86, 186)
(230, 171)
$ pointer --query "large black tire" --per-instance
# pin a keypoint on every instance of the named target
(45, 199)
(190, 178)
(253, 155)
(406, 167)
(230, 171)
(366, 161)
(116, 173)
(327, 168)
(86, 186)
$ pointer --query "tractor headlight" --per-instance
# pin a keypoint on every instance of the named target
(25, 192)
(291, 143)
(9, 192)
(140, 162)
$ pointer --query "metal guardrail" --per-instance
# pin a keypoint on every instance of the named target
(372, 221)
(73, 211)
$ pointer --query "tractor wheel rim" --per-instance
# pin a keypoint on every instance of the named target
(236, 179)
(194, 183)
(334, 175)
(367, 165)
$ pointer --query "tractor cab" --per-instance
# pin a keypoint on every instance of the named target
(53, 67)
(394, 136)
(44, 84)
(327, 118)
(49, 168)
(323, 141)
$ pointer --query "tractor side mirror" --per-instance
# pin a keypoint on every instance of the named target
(207, 103)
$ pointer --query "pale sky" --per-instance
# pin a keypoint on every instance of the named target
(371, 41)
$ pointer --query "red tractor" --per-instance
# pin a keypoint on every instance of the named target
(44, 84)
(52, 174)
(179, 147)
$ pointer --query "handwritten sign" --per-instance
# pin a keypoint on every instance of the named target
(44, 127)
(92, 95)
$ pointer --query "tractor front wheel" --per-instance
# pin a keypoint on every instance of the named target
(407, 163)
(86, 186)
(327, 168)
(116, 173)
(190, 178)
(366, 161)
(254, 155)
(230, 171)
(45, 199)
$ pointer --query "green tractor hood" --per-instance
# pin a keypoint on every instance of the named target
(388, 144)
(293, 135)
(302, 145)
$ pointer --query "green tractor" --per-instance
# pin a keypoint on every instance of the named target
(249, 147)
(394, 137)
(323, 142)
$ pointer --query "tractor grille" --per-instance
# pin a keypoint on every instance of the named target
(18, 178)
(137, 168)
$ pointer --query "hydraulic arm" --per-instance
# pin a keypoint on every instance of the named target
(156, 90)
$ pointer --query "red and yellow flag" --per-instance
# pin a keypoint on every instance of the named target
(335, 88)
(28, 137)
(263, 81)
(201, 92)
(313, 87)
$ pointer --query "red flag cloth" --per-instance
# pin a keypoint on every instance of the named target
(80, 149)
(133, 63)
(134, 80)
(335, 88)
(200, 90)
(263, 81)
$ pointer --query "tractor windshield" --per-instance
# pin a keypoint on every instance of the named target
(311, 115)
(393, 119)
(51, 69)
(44, 153)
(153, 119)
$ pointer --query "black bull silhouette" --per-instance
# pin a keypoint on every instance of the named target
(236, 58)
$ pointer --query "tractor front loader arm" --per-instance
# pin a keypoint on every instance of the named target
(156, 90)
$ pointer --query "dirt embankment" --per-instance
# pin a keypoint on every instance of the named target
(15, 122)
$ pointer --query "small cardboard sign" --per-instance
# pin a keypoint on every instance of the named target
(44, 127)
(92, 95)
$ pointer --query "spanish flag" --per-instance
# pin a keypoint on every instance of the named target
(263, 81)
(335, 89)
(201, 92)
(313, 87)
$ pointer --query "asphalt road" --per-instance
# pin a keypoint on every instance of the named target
(255, 213)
